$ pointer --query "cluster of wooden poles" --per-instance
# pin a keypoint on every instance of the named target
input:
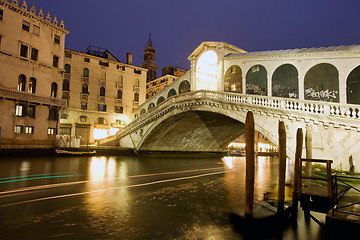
(250, 168)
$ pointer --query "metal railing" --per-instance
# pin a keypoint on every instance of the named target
(339, 193)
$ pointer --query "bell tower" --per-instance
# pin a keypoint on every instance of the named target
(149, 61)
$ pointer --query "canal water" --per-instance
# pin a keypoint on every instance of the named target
(135, 198)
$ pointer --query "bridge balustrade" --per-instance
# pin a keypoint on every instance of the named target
(348, 111)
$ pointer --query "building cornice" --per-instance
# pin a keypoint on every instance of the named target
(23, 11)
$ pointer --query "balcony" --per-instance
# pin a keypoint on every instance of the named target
(102, 99)
(66, 95)
(119, 85)
(84, 96)
(136, 104)
(136, 88)
(30, 97)
(102, 83)
(67, 76)
(118, 101)
(85, 80)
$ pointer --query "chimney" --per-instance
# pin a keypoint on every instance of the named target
(129, 58)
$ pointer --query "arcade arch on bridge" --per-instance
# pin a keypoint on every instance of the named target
(206, 71)
(353, 86)
(285, 82)
(256, 80)
(321, 83)
(233, 79)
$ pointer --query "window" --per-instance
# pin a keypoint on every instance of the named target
(32, 85)
(102, 91)
(25, 26)
(87, 60)
(36, 30)
(34, 54)
(83, 107)
(102, 107)
(29, 130)
(53, 90)
(105, 64)
(86, 72)
(85, 89)
(137, 71)
(136, 97)
(21, 83)
(66, 85)
(1, 14)
(18, 129)
(51, 131)
(31, 111)
(83, 118)
(20, 110)
(53, 113)
(24, 50)
(55, 61)
(56, 39)
(68, 54)
(67, 68)
(119, 109)
(119, 94)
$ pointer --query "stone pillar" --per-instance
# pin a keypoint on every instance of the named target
(308, 148)
(342, 86)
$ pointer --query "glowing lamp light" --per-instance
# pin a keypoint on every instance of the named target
(206, 71)
(113, 131)
(100, 133)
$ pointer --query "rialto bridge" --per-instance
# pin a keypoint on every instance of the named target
(317, 89)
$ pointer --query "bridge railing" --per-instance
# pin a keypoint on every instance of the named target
(347, 111)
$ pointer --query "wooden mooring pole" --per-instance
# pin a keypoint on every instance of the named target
(250, 165)
(282, 168)
(297, 172)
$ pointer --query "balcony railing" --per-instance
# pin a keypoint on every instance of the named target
(118, 101)
(136, 104)
(85, 80)
(101, 99)
(119, 85)
(66, 95)
(84, 96)
(30, 97)
(136, 88)
(67, 76)
(102, 83)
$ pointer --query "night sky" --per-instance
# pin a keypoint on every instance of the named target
(178, 27)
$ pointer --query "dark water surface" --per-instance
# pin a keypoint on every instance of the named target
(133, 198)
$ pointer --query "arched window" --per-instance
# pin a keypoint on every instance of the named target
(67, 68)
(321, 83)
(66, 85)
(86, 72)
(160, 100)
(137, 83)
(21, 83)
(136, 97)
(151, 106)
(206, 71)
(256, 80)
(101, 120)
(102, 91)
(103, 76)
(121, 79)
(285, 82)
(119, 94)
(172, 92)
(233, 79)
(184, 87)
(53, 90)
(353, 86)
(32, 85)
(85, 89)
(142, 112)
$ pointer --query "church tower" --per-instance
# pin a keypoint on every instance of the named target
(149, 61)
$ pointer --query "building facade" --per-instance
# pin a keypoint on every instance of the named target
(101, 93)
(31, 66)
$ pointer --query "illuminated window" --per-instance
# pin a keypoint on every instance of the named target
(32, 85)
(18, 129)
(25, 26)
(29, 130)
(51, 131)
(20, 110)
(21, 83)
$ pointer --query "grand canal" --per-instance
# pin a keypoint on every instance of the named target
(133, 198)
